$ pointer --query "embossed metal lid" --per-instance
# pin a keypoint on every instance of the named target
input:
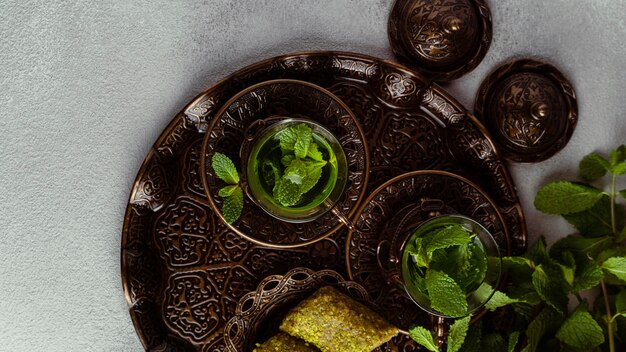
(444, 39)
(529, 108)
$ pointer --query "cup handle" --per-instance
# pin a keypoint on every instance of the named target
(387, 263)
(344, 219)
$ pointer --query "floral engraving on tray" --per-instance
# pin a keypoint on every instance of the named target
(356, 68)
(191, 305)
(410, 140)
(156, 185)
(399, 89)
(442, 108)
(199, 114)
(183, 233)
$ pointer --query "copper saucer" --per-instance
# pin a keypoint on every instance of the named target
(289, 98)
(432, 193)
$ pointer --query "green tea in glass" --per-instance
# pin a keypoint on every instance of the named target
(450, 266)
(296, 170)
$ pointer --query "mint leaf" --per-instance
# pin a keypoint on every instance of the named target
(566, 198)
(551, 286)
(233, 205)
(616, 266)
(287, 192)
(545, 323)
(225, 168)
(304, 136)
(449, 236)
(418, 253)
(538, 252)
(472, 339)
(593, 166)
(423, 337)
(313, 173)
(580, 247)
(287, 159)
(445, 294)
(457, 333)
(618, 155)
(580, 331)
(227, 191)
(622, 193)
(271, 173)
(595, 221)
(513, 338)
(288, 138)
(567, 264)
(314, 152)
(499, 299)
(466, 264)
(619, 169)
(589, 277)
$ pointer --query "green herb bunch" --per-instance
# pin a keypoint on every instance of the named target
(233, 194)
(447, 266)
(299, 168)
(547, 286)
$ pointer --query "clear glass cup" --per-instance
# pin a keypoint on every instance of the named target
(265, 145)
(395, 259)
(479, 293)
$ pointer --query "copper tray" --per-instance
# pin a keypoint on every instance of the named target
(184, 271)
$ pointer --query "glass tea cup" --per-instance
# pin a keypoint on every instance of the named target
(263, 159)
(395, 259)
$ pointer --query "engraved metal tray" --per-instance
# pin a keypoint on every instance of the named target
(184, 271)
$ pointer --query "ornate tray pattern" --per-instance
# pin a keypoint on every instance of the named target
(184, 271)
(429, 194)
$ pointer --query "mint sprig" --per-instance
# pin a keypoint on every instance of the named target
(544, 281)
(225, 170)
(303, 165)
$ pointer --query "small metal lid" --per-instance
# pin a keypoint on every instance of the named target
(443, 39)
(529, 108)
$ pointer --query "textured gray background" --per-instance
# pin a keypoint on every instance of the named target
(86, 88)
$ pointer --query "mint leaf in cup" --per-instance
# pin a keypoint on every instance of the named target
(304, 137)
(446, 296)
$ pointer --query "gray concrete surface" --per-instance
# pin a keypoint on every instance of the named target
(86, 88)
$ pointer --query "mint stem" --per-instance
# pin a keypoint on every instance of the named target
(609, 320)
(613, 225)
